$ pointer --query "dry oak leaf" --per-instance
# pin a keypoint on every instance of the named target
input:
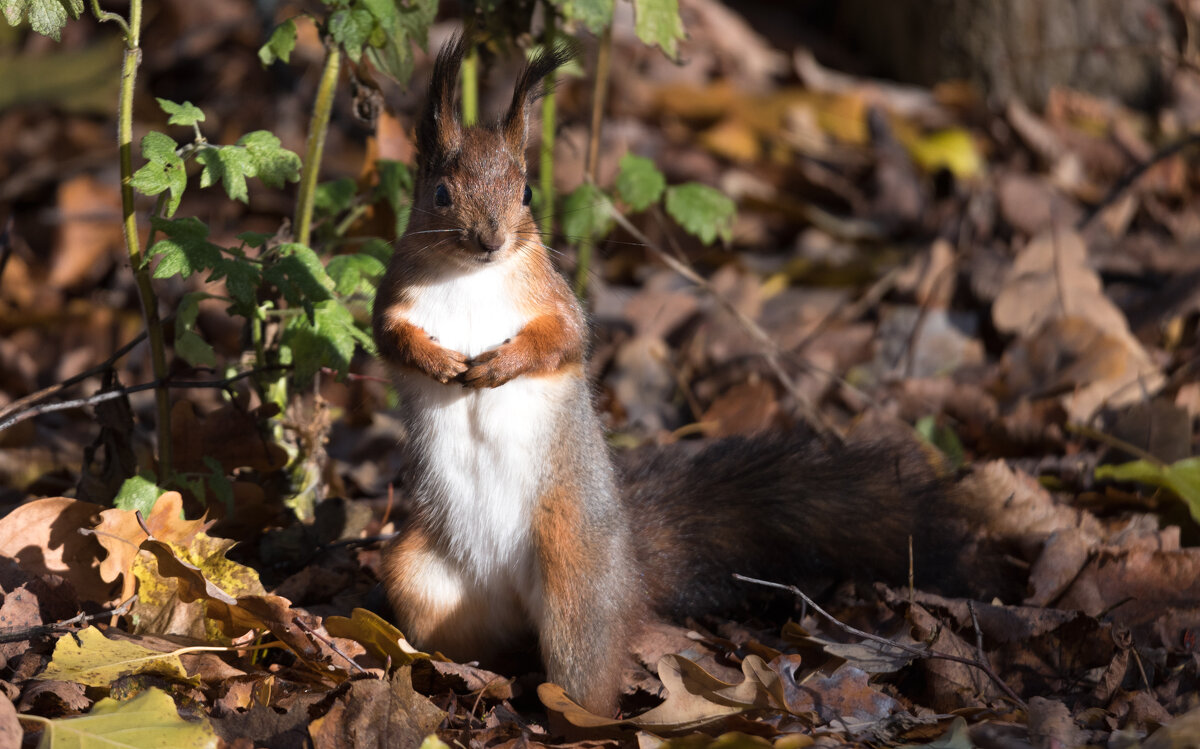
(92, 659)
(695, 698)
(374, 712)
(44, 537)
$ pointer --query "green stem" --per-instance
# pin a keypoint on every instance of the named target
(318, 127)
(470, 87)
(549, 125)
(137, 261)
(599, 95)
(103, 15)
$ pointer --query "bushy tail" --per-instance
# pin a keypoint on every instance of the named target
(789, 509)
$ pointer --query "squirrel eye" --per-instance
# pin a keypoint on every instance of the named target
(527, 197)
(441, 196)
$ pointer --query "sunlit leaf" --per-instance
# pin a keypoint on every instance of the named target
(138, 493)
(1181, 477)
(46, 17)
(586, 213)
(185, 249)
(953, 150)
(639, 182)
(280, 45)
(164, 170)
(272, 164)
(658, 22)
(91, 658)
(186, 114)
(701, 210)
(148, 721)
(229, 165)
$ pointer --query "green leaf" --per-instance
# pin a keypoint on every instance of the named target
(393, 54)
(396, 186)
(327, 340)
(658, 22)
(272, 164)
(334, 197)
(185, 249)
(1181, 477)
(702, 211)
(146, 721)
(352, 273)
(351, 29)
(586, 213)
(138, 493)
(46, 17)
(639, 183)
(188, 343)
(229, 165)
(594, 14)
(280, 45)
(383, 10)
(219, 482)
(298, 274)
(164, 170)
(378, 249)
(943, 438)
(186, 114)
(242, 279)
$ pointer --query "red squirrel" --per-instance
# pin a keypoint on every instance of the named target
(522, 524)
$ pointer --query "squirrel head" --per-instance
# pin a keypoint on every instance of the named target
(471, 194)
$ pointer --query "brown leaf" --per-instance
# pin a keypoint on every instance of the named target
(845, 695)
(374, 713)
(1051, 725)
(20, 610)
(10, 728)
(44, 536)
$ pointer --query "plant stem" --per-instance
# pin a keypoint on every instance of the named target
(599, 95)
(549, 125)
(318, 127)
(470, 87)
(137, 261)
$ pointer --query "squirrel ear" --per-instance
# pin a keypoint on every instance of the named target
(545, 62)
(439, 133)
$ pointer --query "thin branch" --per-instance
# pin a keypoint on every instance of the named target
(104, 15)
(46, 392)
(1132, 176)
(314, 633)
(772, 353)
(107, 395)
(21, 634)
(926, 653)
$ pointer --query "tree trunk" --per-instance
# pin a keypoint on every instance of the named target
(1020, 47)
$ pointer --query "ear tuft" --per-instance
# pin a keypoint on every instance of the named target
(439, 133)
(526, 92)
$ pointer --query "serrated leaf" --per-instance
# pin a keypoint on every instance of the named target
(242, 278)
(298, 274)
(46, 17)
(280, 45)
(594, 14)
(586, 213)
(1181, 477)
(186, 114)
(639, 183)
(351, 29)
(658, 22)
(378, 249)
(358, 272)
(384, 11)
(334, 197)
(92, 659)
(272, 164)
(191, 347)
(328, 340)
(185, 249)
(138, 493)
(391, 53)
(702, 211)
(229, 165)
(164, 170)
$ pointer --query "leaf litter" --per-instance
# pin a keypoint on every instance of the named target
(909, 260)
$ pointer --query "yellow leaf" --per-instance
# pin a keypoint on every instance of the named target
(953, 149)
(148, 721)
(376, 634)
(96, 661)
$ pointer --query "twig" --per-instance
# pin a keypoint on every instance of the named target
(46, 392)
(314, 633)
(772, 351)
(107, 395)
(1132, 176)
(982, 665)
(21, 634)
(352, 377)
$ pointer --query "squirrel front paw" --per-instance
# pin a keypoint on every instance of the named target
(440, 363)
(493, 368)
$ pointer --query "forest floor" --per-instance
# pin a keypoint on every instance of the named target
(1018, 289)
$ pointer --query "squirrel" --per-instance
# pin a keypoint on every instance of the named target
(523, 523)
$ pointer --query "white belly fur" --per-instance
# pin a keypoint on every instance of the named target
(483, 450)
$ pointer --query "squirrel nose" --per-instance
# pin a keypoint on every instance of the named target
(489, 241)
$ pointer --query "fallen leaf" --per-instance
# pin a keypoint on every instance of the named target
(148, 720)
(376, 634)
(90, 658)
(44, 537)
